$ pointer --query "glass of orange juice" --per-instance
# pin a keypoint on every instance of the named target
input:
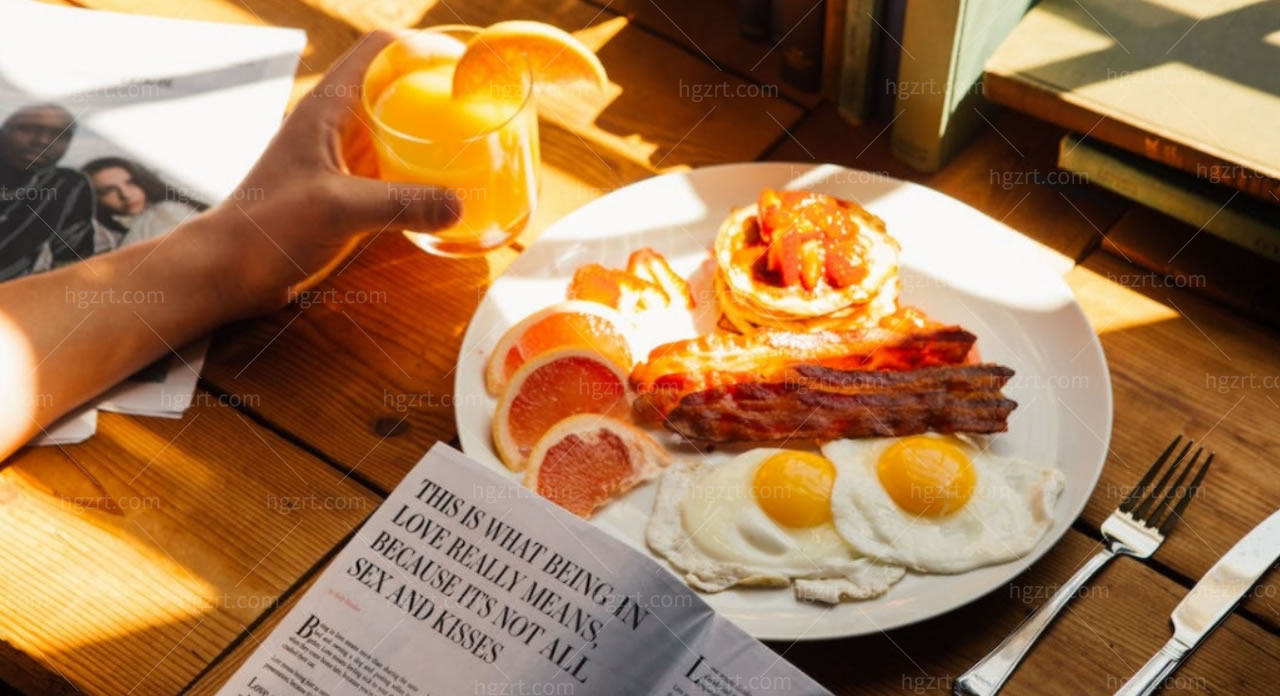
(480, 147)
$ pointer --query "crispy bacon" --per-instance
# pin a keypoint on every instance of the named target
(722, 360)
(817, 402)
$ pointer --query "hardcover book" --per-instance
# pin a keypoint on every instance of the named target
(800, 43)
(1191, 85)
(945, 44)
(885, 83)
(856, 70)
(832, 48)
(1216, 210)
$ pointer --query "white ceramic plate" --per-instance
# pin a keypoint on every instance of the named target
(957, 264)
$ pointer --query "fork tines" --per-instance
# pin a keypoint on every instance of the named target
(1149, 507)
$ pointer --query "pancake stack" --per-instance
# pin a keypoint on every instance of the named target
(751, 298)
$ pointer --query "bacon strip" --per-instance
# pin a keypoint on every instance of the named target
(817, 402)
(716, 361)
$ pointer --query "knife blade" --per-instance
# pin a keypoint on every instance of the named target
(1218, 592)
(1210, 601)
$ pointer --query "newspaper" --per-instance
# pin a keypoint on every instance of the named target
(463, 582)
(77, 426)
(116, 132)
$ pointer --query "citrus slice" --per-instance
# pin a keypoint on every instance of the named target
(554, 385)
(584, 461)
(500, 54)
(649, 265)
(568, 324)
(616, 288)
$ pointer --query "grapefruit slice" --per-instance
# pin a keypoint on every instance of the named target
(499, 54)
(554, 385)
(584, 461)
(568, 324)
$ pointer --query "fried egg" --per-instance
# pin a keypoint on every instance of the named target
(938, 504)
(762, 518)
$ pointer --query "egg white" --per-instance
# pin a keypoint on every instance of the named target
(707, 523)
(1010, 510)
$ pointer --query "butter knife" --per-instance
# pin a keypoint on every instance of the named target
(1209, 602)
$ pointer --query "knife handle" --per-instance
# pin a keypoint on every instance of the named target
(1160, 666)
(986, 677)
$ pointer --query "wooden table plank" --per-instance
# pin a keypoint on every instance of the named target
(710, 30)
(25, 674)
(1236, 277)
(369, 387)
(136, 557)
(1101, 640)
(646, 119)
(209, 683)
(1008, 173)
(361, 373)
(1180, 363)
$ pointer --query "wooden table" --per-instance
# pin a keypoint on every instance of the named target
(154, 557)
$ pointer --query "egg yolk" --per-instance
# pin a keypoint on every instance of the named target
(794, 488)
(926, 476)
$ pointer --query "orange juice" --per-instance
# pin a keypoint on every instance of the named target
(482, 148)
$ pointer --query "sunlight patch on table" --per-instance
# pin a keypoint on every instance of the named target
(54, 595)
(1112, 303)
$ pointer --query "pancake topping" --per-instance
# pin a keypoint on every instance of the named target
(806, 236)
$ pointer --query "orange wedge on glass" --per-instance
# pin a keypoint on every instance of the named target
(585, 461)
(502, 54)
(550, 387)
(567, 324)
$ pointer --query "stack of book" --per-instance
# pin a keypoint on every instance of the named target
(1173, 107)
(914, 66)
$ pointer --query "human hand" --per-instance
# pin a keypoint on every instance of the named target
(311, 198)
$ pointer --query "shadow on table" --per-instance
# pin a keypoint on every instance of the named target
(189, 472)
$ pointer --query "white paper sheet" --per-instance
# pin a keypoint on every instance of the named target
(73, 428)
(195, 103)
(463, 582)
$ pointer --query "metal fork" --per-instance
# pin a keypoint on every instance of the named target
(1137, 528)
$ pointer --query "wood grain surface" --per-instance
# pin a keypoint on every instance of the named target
(209, 682)
(154, 544)
(1008, 173)
(1181, 364)
(374, 388)
(1196, 259)
(710, 30)
(1094, 647)
(154, 557)
(1102, 638)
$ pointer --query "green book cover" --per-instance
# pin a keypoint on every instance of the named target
(1223, 212)
(945, 44)
(855, 68)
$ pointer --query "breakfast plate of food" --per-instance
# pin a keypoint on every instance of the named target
(831, 401)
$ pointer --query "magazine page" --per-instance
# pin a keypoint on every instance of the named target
(463, 582)
(164, 388)
(143, 123)
(73, 428)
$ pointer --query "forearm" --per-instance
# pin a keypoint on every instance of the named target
(69, 334)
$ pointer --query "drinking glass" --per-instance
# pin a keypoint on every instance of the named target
(481, 148)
